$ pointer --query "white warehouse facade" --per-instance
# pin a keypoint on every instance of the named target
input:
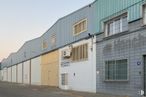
(78, 66)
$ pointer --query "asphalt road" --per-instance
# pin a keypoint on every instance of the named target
(19, 90)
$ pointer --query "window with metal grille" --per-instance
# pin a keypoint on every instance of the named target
(144, 14)
(80, 53)
(80, 27)
(117, 25)
(64, 79)
(53, 39)
(116, 70)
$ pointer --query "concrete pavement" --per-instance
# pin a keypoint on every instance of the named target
(19, 90)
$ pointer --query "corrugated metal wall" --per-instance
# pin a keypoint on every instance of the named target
(106, 9)
(28, 50)
(96, 13)
(4, 63)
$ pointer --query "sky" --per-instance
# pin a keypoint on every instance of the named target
(23, 20)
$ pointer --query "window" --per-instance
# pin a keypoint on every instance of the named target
(53, 39)
(124, 24)
(64, 79)
(80, 53)
(117, 25)
(80, 27)
(44, 45)
(116, 70)
(144, 14)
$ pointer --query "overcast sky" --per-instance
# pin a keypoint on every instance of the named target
(23, 20)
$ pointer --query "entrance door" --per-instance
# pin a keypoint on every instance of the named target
(64, 80)
(144, 75)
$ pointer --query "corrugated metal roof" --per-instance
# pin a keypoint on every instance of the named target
(96, 13)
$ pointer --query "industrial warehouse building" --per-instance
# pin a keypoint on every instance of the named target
(98, 48)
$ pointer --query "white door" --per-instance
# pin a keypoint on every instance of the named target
(64, 80)
(5, 73)
(36, 71)
(19, 73)
(26, 72)
(14, 74)
(1, 75)
(9, 74)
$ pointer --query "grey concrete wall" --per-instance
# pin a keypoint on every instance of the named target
(129, 45)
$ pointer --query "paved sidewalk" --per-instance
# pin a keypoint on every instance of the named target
(19, 90)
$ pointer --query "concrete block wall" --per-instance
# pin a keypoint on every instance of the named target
(129, 45)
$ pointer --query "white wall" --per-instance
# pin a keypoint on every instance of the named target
(9, 74)
(85, 71)
(26, 72)
(19, 73)
(14, 73)
(4, 74)
(36, 71)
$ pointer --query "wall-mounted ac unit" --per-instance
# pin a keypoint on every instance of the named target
(66, 53)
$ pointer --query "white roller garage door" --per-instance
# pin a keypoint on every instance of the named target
(14, 74)
(5, 73)
(9, 74)
(26, 72)
(36, 71)
(1, 71)
(19, 73)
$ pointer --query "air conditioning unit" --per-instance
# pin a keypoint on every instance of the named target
(66, 53)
